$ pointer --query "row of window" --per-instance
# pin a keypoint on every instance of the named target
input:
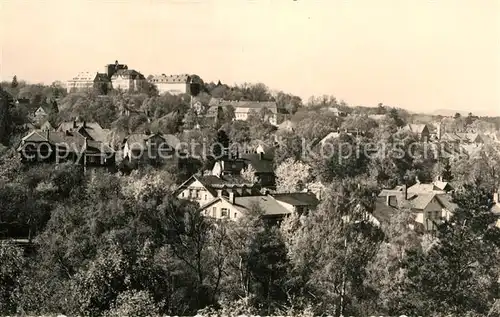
(194, 193)
(224, 213)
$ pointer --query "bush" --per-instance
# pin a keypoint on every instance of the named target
(134, 303)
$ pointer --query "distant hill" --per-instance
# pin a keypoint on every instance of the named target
(451, 113)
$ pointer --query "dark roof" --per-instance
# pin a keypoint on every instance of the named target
(101, 77)
(297, 199)
(263, 165)
(138, 140)
(71, 140)
(268, 204)
(129, 73)
(382, 212)
(416, 128)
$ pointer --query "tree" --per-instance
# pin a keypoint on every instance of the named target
(457, 115)
(14, 83)
(6, 104)
(13, 261)
(249, 174)
(458, 275)
(292, 176)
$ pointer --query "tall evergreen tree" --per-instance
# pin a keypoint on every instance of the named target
(459, 274)
(5, 117)
(14, 83)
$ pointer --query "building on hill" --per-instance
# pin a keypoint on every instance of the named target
(57, 146)
(151, 149)
(127, 80)
(102, 83)
(111, 69)
(420, 130)
(82, 81)
(242, 109)
(172, 84)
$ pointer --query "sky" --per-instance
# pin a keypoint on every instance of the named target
(420, 55)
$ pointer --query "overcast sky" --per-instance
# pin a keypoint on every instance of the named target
(417, 54)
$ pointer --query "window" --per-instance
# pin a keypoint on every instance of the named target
(224, 212)
(214, 211)
(234, 215)
(205, 196)
(182, 195)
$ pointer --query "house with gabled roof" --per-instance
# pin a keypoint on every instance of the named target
(274, 207)
(429, 207)
(421, 130)
(151, 148)
(261, 163)
(57, 146)
(91, 130)
(204, 189)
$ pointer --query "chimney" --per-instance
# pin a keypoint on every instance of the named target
(388, 200)
(261, 156)
(495, 198)
(231, 197)
(405, 192)
(74, 124)
(83, 124)
(219, 192)
(416, 180)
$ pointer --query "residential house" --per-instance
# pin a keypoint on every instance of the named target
(438, 187)
(127, 80)
(261, 163)
(91, 130)
(42, 111)
(47, 126)
(336, 134)
(204, 189)
(242, 109)
(172, 84)
(336, 111)
(273, 207)
(149, 148)
(421, 130)
(82, 81)
(429, 207)
(463, 138)
(57, 146)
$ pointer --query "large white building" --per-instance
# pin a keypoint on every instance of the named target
(173, 84)
(82, 81)
(127, 80)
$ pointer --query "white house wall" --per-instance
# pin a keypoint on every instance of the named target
(204, 196)
(172, 88)
(215, 210)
